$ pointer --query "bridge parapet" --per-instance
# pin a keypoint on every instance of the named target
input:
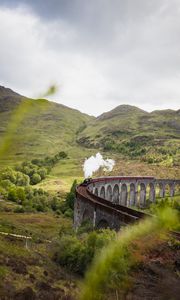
(133, 191)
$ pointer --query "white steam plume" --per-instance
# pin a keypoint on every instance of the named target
(93, 163)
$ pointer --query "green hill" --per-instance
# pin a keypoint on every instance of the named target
(46, 127)
(135, 133)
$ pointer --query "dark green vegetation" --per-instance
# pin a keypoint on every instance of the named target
(76, 251)
(19, 187)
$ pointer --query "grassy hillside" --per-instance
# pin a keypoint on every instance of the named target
(46, 128)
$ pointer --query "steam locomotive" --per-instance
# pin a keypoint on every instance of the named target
(86, 181)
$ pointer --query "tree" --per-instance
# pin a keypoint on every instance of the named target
(20, 193)
(9, 174)
(22, 179)
(12, 195)
(71, 195)
(42, 172)
(36, 178)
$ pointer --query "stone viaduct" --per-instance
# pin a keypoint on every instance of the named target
(110, 201)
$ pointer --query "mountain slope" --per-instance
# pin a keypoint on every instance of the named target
(134, 132)
(46, 128)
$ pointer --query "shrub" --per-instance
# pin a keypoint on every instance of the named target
(36, 178)
(71, 195)
(20, 193)
(22, 179)
(42, 172)
(12, 195)
(6, 183)
(62, 155)
(9, 174)
(19, 209)
(75, 252)
(69, 213)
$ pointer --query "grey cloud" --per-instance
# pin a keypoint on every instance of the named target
(107, 52)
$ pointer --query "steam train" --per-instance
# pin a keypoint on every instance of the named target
(86, 181)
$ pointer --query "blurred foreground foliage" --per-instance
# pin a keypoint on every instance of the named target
(110, 270)
(18, 115)
(173, 203)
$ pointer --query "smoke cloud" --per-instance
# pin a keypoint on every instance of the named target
(93, 163)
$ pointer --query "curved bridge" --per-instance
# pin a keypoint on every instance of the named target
(109, 201)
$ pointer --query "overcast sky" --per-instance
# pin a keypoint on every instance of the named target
(100, 53)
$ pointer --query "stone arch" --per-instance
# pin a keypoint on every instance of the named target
(123, 197)
(167, 190)
(142, 195)
(102, 192)
(161, 190)
(177, 189)
(109, 193)
(172, 189)
(96, 191)
(132, 194)
(151, 192)
(103, 223)
(116, 194)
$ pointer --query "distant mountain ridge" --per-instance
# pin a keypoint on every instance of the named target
(126, 122)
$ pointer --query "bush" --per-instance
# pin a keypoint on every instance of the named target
(6, 184)
(76, 252)
(42, 172)
(15, 177)
(9, 174)
(12, 195)
(36, 178)
(20, 193)
(71, 195)
(73, 254)
(69, 213)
